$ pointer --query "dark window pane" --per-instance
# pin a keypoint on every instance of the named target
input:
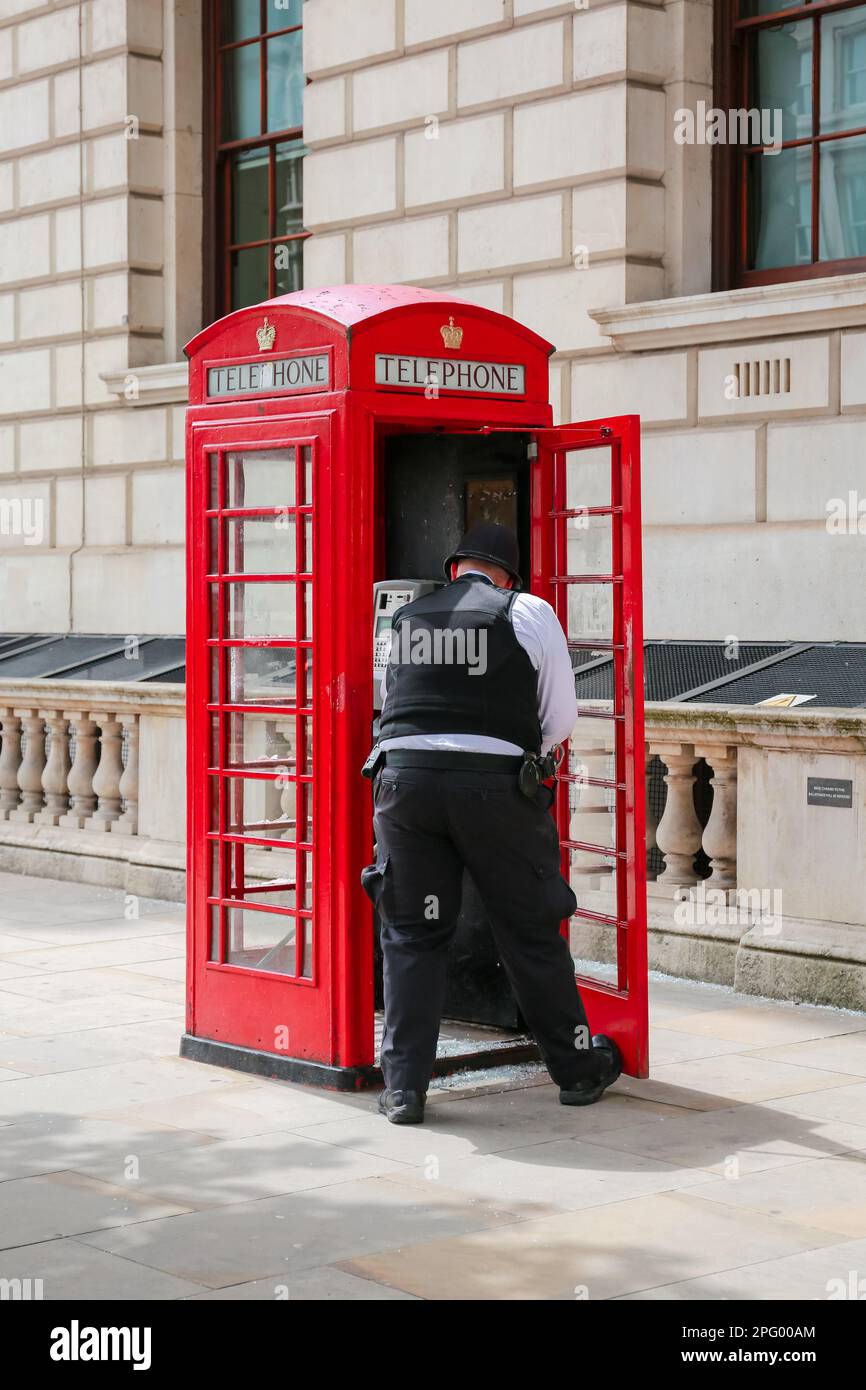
(242, 93)
(289, 266)
(282, 14)
(289, 188)
(241, 19)
(843, 199)
(250, 196)
(843, 70)
(780, 209)
(285, 82)
(250, 276)
(751, 9)
(782, 81)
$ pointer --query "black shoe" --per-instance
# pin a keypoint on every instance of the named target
(402, 1107)
(589, 1091)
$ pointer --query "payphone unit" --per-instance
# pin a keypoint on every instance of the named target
(389, 595)
(339, 439)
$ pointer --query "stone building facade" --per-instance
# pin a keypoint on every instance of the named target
(519, 152)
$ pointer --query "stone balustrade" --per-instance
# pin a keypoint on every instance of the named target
(92, 788)
(70, 776)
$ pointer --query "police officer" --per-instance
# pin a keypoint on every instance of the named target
(479, 677)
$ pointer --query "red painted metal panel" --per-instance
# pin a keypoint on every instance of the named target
(323, 1010)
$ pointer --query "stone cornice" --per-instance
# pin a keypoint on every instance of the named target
(765, 311)
(162, 384)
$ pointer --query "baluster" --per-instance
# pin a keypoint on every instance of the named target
(106, 780)
(80, 781)
(678, 835)
(127, 824)
(31, 767)
(55, 778)
(10, 760)
(651, 819)
(720, 831)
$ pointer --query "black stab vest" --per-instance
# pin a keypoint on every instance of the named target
(457, 667)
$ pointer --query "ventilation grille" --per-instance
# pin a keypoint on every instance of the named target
(770, 376)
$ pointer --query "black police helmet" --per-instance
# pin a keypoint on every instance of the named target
(486, 540)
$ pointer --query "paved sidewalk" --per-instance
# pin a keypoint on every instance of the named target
(739, 1170)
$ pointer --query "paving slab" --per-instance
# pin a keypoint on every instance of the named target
(597, 1253)
(70, 1270)
(745, 1139)
(325, 1285)
(280, 1235)
(61, 1143)
(833, 1273)
(238, 1170)
(64, 1203)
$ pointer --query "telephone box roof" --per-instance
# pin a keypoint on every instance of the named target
(350, 306)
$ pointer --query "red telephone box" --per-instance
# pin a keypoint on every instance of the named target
(338, 437)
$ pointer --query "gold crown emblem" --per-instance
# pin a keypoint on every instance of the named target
(266, 335)
(452, 336)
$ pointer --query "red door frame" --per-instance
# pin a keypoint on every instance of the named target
(238, 1005)
(336, 1026)
(621, 1011)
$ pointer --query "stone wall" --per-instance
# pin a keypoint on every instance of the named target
(521, 153)
(100, 276)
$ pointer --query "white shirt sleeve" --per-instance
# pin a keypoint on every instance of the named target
(538, 631)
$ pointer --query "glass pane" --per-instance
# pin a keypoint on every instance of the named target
(842, 180)
(265, 545)
(261, 478)
(261, 740)
(241, 19)
(215, 877)
(260, 676)
(590, 545)
(308, 545)
(261, 610)
(590, 612)
(249, 271)
(285, 82)
(242, 116)
(307, 465)
(305, 930)
(289, 187)
(262, 806)
(843, 71)
(587, 479)
(281, 14)
(261, 940)
(289, 266)
(249, 176)
(781, 82)
(215, 740)
(214, 609)
(265, 875)
(780, 209)
(213, 546)
(214, 935)
(213, 481)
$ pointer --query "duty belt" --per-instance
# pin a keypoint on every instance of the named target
(448, 761)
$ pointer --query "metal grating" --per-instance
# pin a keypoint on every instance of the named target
(834, 674)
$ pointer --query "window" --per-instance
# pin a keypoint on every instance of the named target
(254, 151)
(790, 196)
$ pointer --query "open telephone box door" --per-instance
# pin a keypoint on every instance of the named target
(335, 438)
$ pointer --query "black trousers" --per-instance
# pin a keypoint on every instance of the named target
(429, 824)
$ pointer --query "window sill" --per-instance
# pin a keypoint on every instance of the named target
(762, 312)
(162, 384)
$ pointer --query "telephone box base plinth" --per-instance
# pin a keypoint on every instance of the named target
(333, 1078)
